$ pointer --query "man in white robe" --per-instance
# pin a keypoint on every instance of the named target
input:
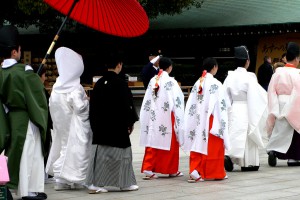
(69, 109)
(247, 115)
(283, 123)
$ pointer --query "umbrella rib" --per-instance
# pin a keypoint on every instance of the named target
(96, 15)
(90, 14)
(110, 24)
(139, 25)
(114, 20)
(81, 13)
(86, 13)
(129, 15)
(75, 10)
(124, 20)
(104, 17)
(139, 19)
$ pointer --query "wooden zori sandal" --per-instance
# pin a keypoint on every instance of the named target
(191, 180)
(100, 190)
(178, 174)
(153, 176)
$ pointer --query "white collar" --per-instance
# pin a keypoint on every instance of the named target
(209, 75)
(8, 63)
(241, 69)
(155, 67)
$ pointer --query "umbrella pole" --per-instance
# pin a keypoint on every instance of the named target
(56, 38)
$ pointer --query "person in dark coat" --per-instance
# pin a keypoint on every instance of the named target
(112, 116)
(265, 73)
(151, 69)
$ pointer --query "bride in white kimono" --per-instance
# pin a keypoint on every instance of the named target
(69, 109)
(247, 114)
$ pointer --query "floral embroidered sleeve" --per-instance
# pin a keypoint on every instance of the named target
(178, 112)
(220, 122)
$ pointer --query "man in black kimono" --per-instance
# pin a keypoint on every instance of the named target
(112, 116)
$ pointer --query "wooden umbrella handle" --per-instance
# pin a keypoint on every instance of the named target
(56, 38)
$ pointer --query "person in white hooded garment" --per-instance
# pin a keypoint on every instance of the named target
(247, 114)
(69, 109)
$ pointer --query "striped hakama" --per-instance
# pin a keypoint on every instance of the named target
(110, 166)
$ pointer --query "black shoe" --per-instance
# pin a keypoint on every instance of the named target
(250, 168)
(272, 160)
(228, 164)
(291, 164)
(42, 194)
(39, 196)
(9, 196)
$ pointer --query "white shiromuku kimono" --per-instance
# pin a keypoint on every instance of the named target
(247, 116)
(197, 115)
(155, 114)
(69, 109)
(284, 110)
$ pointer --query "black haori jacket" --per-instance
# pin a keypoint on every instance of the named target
(111, 111)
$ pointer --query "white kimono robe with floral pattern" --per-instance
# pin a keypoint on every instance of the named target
(199, 108)
(155, 114)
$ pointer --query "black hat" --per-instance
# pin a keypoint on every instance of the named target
(241, 52)
(9, 37)
(292, 50)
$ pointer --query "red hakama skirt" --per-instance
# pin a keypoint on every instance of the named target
(163, 161)
(210, 166)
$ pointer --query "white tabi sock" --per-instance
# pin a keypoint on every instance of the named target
(195, 175)
(148, 173)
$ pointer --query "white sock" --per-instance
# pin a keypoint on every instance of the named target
(292, 161)
(32, 194)
(63, 181)
(148, 173)
(92, 187)
(195, 175)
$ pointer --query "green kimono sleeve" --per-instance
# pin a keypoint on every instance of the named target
(4, 129)
(36, 102)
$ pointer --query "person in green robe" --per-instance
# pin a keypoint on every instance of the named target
(23, 116)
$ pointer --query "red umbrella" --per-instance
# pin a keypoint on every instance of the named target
(124, 18)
